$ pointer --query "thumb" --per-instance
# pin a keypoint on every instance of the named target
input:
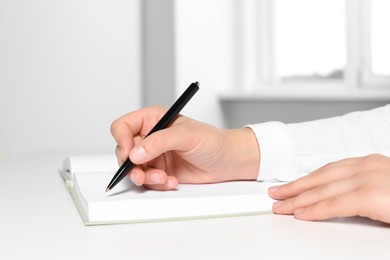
(158, 143)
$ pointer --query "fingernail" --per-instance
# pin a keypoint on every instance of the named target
(273, 189)
(277, 204)
(171, 184)
(156, 178)
(138, 154)
(133, 179)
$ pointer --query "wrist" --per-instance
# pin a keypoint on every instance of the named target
(246, 153)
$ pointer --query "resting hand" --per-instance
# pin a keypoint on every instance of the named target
(350, 187)
(187, 151)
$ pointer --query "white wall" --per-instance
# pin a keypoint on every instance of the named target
(67, 69)
(206, 52)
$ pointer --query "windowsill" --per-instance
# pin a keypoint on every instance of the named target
(313, 92)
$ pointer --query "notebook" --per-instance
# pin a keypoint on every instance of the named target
(86, 178)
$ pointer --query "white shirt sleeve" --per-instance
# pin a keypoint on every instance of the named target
(289, 151)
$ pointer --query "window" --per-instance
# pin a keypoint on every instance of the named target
(329, 43)
(380, 38)
(303, 50)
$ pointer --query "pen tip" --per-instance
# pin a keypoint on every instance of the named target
(107, 189)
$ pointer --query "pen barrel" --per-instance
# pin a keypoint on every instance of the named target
(175, 108)
(121, 173)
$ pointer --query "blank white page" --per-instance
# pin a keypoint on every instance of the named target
(127, 202)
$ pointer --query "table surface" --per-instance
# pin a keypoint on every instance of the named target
(38, 220)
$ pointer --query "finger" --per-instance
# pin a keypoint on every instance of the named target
(170, 184)
(118, 155)
(135, 123)
(316, 195)
(328, 173)
(142, 175)
(137, 175)
(123, 137)
(123, 155)
(137, 139)
(344, 205)
(139, 122)
(162, 141)
(154, 176)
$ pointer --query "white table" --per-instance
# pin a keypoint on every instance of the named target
(38, 220)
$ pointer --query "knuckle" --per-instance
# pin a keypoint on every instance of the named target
(330, 165)
(320, 192)
(374, 156)
(114, 126)
(370, 162)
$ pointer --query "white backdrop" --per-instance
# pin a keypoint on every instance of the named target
(67, 69)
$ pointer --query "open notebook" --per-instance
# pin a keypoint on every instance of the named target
(86, 178)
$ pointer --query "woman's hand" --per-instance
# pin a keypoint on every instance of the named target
(350, 187)
(187, 151)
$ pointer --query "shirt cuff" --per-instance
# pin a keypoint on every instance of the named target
(278, 153)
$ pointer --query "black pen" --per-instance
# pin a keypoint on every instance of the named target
(163, 123)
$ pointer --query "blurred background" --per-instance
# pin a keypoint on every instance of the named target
(69, 68)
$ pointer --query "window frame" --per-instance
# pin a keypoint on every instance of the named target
(369, 79)
(258, 53)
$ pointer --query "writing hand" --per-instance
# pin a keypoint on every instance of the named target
(188, 151)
